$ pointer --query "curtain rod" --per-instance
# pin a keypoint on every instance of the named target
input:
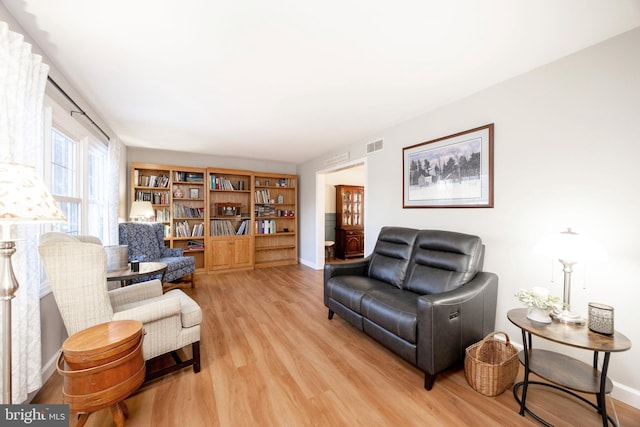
(80, 110)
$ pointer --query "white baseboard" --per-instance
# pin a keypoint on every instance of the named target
(309, 264)
(47, 370)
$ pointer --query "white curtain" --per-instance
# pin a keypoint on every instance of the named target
(23, 77)
(113, 191)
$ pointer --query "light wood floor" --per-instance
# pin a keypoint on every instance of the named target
(270, 357)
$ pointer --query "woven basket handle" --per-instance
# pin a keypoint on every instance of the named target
(489, 336)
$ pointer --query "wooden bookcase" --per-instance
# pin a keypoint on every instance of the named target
(349, 221)
(243, 219)
(230, 240)
(275, 209)
(178, 197)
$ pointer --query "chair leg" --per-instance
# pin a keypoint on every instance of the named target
(330, 315)
(195, 347)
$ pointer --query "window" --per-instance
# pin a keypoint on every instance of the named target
(64, 179)
(77, 173)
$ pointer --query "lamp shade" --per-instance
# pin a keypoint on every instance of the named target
(140, 210)
(24, 197)
(570, 246)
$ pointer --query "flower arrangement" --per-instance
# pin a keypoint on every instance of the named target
(539, 297)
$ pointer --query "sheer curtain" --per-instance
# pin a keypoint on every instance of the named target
(113, 193)
(23, 77)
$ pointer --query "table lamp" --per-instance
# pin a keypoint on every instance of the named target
(569, 248)
(141, 211)
(23, 199)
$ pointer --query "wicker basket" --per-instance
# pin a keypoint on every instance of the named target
(491, 365)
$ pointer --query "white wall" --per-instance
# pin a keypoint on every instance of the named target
(567, 154)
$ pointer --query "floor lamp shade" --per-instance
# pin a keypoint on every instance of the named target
(24, 198)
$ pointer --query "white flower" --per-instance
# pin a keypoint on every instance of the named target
(536, 299)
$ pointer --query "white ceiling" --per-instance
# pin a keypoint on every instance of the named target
(292, 80)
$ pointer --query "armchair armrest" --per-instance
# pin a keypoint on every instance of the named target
(171, 252)
(155, 310)
(351, 268)
(137, 292)
(451, 321)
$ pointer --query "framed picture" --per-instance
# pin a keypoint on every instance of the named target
(194, 193)
(454, 171)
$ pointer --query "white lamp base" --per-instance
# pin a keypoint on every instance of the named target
(566, 316)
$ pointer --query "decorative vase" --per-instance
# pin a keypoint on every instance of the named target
(539, 315)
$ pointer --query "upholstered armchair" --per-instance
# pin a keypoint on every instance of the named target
(146, 243)
(77, 274)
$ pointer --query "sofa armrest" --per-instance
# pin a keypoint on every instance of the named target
(170, 252)
(349, 268)
(451, 321)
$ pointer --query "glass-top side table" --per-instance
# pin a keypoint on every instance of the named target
(566, 373)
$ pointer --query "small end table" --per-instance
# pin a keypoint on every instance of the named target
(101, 366)
(566, 373)
(125, 275)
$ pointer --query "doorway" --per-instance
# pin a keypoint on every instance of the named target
(350, 174)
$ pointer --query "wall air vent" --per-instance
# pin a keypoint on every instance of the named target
(374, 146)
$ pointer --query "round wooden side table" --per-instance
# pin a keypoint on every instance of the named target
(101, 366)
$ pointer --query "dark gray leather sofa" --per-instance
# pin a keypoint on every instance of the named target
(421, 293)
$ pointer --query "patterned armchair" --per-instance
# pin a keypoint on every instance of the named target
(146, 243)
(77, 271)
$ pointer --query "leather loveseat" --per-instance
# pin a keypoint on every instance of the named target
(421, 294)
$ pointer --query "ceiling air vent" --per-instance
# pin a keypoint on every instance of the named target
(374, 146)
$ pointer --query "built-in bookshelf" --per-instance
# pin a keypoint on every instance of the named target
(178, 197)
(275, 208)
(226, 218)
(230, 220)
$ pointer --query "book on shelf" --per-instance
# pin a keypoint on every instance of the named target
(161, 181)
(266, 226)
(244, 228)
(195, 245)
(185, 211)
(262, 196)
(195, 177)
(184, 229)
(222, 183)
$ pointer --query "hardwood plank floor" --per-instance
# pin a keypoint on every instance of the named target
(270, 357)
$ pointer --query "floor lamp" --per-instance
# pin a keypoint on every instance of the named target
(23, 199)
(569, 248)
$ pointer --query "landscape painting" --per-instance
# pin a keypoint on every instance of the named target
(448, 172)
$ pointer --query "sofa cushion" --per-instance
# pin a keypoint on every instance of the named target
(390, 257)
(443, 261)
(394, 310)
(349, 290)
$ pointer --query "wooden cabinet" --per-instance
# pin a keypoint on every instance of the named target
(349, 221)
(275, 209)
(178, 199)
(225, 253)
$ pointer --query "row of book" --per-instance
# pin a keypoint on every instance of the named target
(262, 196)
(184, 229)
(155, 197)
(281, 182)
(221, 183)
(226, 228)
(195, 245)
(161, 215)
(184, 211)
(151, 180)
(265, 226)
(188, 176)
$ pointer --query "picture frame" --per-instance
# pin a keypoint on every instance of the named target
(194, 193)
(455, 171)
